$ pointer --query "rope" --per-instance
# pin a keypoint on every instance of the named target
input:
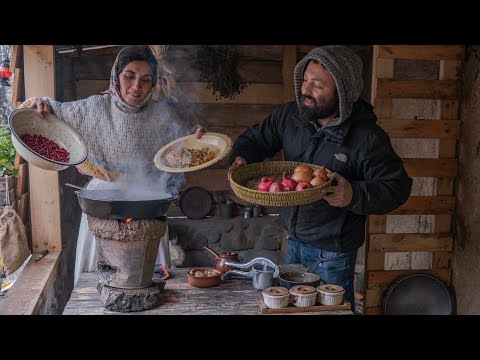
(159, 50)
(166, 77)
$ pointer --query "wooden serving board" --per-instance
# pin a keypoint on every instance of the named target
(294, 309)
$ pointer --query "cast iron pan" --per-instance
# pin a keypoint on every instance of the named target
(418, 294)
(293, 278)
(115, 204)
(195, 203)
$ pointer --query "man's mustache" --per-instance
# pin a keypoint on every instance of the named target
(309, 98)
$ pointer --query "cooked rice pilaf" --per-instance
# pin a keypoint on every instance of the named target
(185, 157)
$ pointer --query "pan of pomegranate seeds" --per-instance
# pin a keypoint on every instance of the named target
(49, 143)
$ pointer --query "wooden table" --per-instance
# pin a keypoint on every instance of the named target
(233, 297)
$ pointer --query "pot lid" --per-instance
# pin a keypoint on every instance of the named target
(195, 203)
(418, 294)
(302, 289)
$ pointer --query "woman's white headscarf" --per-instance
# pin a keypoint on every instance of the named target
(164, 83)
(114, 91)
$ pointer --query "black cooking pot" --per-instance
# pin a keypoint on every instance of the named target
(118, 204)
(293, 278)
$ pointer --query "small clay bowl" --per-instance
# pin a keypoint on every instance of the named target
(204, 278)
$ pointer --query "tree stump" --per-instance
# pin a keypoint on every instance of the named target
(131, 300)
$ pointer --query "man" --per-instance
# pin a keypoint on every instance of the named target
(330, 125)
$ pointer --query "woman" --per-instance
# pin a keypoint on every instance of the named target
(123, 129)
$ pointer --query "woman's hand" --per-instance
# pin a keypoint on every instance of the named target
(200, 131)
(239, 161)
(36, 103)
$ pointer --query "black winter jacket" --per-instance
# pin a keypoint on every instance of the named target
(358, 149)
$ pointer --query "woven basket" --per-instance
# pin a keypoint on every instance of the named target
(274, 169)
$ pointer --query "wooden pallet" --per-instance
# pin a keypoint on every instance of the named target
(433, 249)
(293, 309)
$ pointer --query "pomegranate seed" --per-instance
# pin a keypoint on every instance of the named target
(46, 147)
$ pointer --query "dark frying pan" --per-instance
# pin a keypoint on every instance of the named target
(293, 278)
(195, 203)
(418, 294)
(118, 204)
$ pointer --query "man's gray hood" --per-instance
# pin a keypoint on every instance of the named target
(346, 69)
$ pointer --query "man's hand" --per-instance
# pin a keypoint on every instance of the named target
(239, 161)
(36, 103)
(339, 195)
(200, 131)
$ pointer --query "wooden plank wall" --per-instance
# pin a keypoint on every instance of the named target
(444, 128)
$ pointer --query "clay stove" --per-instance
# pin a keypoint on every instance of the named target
(126, 254)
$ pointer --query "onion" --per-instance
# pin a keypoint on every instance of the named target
(317, 181)
(303, 185)
(276, 187)
(302, 176)
(303, 168)
(288, 183)
(264, 184)
(321, 173)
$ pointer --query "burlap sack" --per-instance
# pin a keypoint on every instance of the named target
(13, 240)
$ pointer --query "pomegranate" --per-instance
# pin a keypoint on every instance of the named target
(303, 185)
(264, 185)
(288, 183)
(277, 187)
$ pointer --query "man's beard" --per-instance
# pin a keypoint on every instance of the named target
(318, 111)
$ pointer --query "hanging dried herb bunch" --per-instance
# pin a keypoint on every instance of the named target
(218, 68)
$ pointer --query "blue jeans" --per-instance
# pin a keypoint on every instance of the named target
(333, 267)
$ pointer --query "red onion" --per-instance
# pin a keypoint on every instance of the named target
(288, 183)
(303, 185)
(264, 185)
(276, 187)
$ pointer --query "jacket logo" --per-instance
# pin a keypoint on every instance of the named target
(341, 157)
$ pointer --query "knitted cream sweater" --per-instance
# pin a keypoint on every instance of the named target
(122, 145)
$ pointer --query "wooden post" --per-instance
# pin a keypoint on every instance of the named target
(381, 69)
(17, 88)
(17, 57)
(44, 187)
(376, 224)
